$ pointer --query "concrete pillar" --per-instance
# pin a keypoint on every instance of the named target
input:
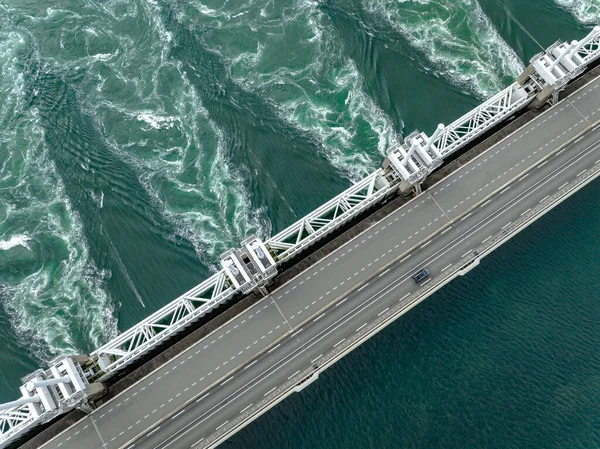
(81, 359)
(95, 390)
(542, 97)
(405, 188)
(524, 77)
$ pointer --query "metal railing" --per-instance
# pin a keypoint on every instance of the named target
(419, 155)
(329, 216)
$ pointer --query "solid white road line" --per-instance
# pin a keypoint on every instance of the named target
(248, 366)
(153, 431)
(246, 408)
(179, 413)
(222, 425)
(362, 287)
(361, 327)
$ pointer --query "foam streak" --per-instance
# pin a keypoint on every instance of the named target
(586, 11)
(457, 37)
(287, 53)
(49, 285)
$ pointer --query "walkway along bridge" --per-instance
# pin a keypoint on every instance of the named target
(76, 381)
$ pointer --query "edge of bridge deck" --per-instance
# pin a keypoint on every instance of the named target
(453, 164)
(175, 346)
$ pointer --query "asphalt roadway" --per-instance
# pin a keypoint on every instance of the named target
(203, 392)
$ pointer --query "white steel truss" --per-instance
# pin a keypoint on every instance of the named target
(411, 161)
(480, 119)
(163, 323)
(420, 154)
(220, 287)
(15, 422)
(329, 216)
(45, 395)
(590, 47)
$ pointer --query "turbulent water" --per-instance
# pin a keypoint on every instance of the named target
(586, 11)
(143, 138)
(457, 37)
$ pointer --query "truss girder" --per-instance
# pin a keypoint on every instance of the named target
(15, 421)
(591, 50)
(411, 162)
(165, 322)
(45, 394)
(562, 61)
(480, 119)
(415, 166)
(329, 216)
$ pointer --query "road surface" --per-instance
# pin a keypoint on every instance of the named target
(201, 393)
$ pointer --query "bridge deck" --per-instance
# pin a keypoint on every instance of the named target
(209, 364)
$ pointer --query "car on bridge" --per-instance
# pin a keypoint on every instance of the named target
(421, 275)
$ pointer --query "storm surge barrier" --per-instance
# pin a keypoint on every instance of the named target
(75, 381)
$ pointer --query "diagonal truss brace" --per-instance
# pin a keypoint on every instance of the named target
(562, 61)
(217, 289)
(328, 217)
(163, 323)
(413, 160)
(14, 421)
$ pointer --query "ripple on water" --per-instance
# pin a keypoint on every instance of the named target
(49, 285)
(289, 54)
(457, 37)
(586, 11)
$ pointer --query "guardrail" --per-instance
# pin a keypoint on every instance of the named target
(310, 373)
(329, 216)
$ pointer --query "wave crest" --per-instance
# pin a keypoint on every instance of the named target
(586, 11)
(289, 54)
(152, 117)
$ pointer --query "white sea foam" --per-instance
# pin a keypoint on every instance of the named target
(49, 285)
(306, 79)
(155, 121)
(162, 130)
(457, 37)
(586, 11)
(15, 240)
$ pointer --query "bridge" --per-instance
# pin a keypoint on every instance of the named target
(456, 207)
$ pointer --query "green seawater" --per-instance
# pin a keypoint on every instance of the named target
(140, 139)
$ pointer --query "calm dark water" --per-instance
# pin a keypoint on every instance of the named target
(142, 139)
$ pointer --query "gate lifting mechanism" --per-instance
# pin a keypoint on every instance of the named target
(548, 73)
(47, 394)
